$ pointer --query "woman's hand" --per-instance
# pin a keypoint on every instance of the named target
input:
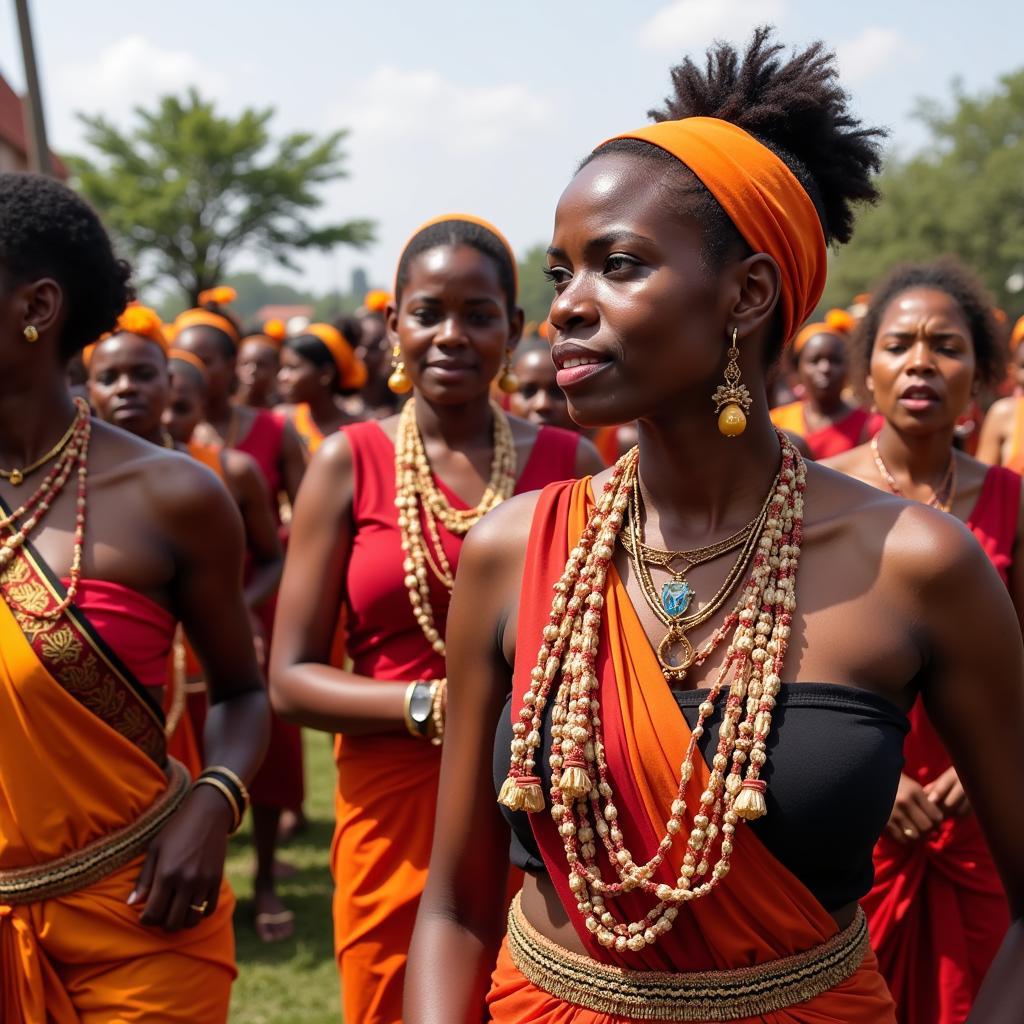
(180, 880)
(947, 793)
(913, 814)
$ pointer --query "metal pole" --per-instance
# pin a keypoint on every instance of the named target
(35, 125)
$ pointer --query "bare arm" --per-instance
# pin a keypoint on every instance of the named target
(975, 696)
(994, 432)
(304, 688)
(460, 921)
(250, 492)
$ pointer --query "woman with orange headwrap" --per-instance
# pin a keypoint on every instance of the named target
(827, 423)
(1002, 434)
(375, 540)
(318, 367)
(259, 358)
(709, 672)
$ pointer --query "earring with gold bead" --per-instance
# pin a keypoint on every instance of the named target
(31, 334)
(508, 382)
(732, 399)
(399, 382)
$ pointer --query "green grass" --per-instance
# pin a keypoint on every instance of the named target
(291, 982)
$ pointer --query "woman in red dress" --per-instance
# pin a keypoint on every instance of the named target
(824, 419)
(375, 544)
(211, 336)
(937, 912)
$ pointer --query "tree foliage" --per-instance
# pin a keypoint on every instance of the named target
(186, 189)
(963, 195)
(535, 291)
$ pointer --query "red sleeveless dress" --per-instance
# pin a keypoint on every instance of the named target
(279, 782)
(387, 783)
(937, 911)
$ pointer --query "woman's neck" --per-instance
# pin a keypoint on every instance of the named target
(828, 408)
(34, 414)
(324, 408)
(917, 461)
(460, 427)
(697, 482)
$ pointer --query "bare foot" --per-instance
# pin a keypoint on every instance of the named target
(273, 920)
(292, 824)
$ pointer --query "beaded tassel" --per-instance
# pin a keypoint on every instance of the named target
(581, 795)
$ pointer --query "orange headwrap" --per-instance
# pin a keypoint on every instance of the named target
(469, 219)
(376, 300)
(837, 322)
(204, 318)
(275, 330)
(351, 369)
(184, 356)
(1017, 334)
(760, 195)
(138, 320)
(220, 295)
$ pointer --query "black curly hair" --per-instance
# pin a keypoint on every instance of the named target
(311, 348)
(460, 232)
(797, 109)
(46, 230)
(946, 274)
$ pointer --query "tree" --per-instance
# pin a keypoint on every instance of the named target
(535, 291)
(186, 190)
(964, 195)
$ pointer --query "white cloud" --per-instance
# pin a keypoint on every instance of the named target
(688, 24)
(868, 52)
(132, 71)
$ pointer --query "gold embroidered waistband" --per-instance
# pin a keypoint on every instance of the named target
(99, 858)
(691, 996)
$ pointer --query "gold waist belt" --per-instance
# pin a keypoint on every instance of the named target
(102, 856)
(689, 996)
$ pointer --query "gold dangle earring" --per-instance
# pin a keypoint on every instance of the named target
(732, 399)
(399, 381)
(508, 382)
(31, 334)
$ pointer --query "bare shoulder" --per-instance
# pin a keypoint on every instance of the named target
(333, 457)
(239, 465)
(853, 463)
(1002, 411)
(495, 549)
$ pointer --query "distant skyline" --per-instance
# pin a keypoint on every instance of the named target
(461, 106)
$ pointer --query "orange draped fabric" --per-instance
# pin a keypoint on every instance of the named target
(68, 777)
(1015, 456)
(305, 426)
(853, 429)
(760, 913)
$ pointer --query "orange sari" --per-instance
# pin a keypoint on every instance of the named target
(82, 751)
(761, 913)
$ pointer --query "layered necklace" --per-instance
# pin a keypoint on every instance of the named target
(675, 653)
(420, 502)
(72, 453)
(943, 496)
(581, 795)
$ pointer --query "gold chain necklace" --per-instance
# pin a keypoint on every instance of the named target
(416, 489)
(947, 487)
(676, 654)
(17, 476)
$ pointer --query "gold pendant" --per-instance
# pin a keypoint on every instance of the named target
(675, 654)
(16, 477)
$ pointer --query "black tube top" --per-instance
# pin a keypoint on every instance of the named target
(834, 759)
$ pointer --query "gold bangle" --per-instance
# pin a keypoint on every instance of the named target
(236, 779)
(410, 725)
(209, 780)
(438, 688)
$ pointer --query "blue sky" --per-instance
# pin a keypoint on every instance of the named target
(484, 107)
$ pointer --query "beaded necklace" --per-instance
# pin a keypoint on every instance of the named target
(415, 488)
(580, 782)
(947, 487)
(75, 454)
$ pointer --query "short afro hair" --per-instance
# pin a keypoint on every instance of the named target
(948, 275)
(46, 230)
(460, 232)
(797, 109)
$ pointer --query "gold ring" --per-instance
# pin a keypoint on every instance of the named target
(199, 908)
(909, 833)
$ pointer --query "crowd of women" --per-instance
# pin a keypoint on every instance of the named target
(722, 718)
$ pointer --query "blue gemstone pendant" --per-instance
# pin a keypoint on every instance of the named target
(676, 596)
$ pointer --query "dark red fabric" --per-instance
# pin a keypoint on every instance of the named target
(136, 628)
(263, 443)
(937, 911)
(859, 426)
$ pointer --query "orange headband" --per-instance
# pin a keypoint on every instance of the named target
(837, 322)
(469, 219)
(135, 319)
(204, 318)
(1017, 334)
(219, 295)
(184, 356)
(760, 195)
(351, 369)
(376, 300)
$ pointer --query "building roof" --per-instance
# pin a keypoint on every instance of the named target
(13, 115)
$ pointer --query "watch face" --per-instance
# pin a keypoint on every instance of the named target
(419, 706)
